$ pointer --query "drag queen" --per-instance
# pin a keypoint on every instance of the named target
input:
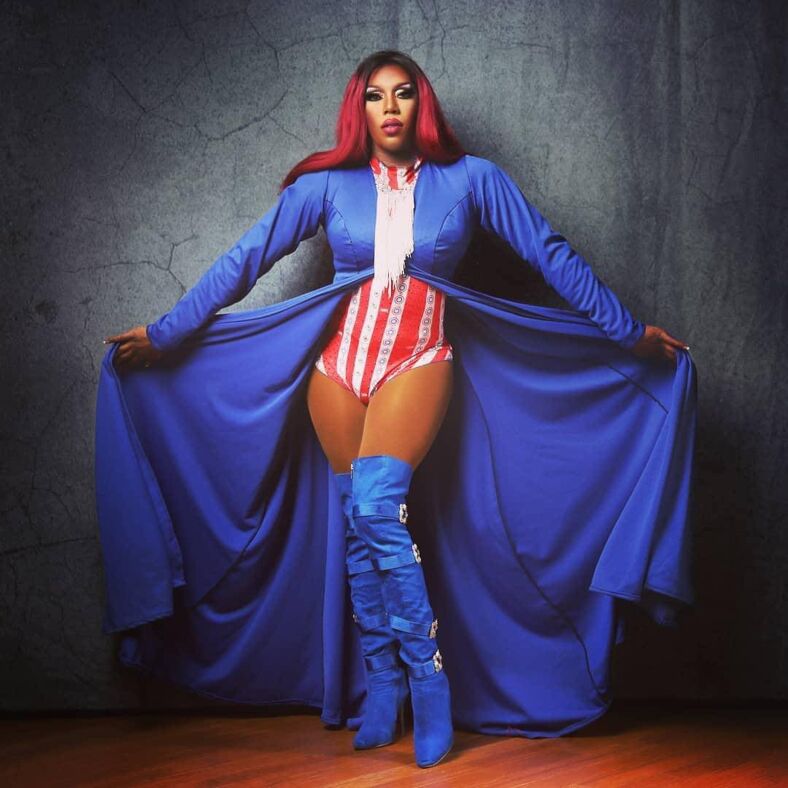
(207, 474)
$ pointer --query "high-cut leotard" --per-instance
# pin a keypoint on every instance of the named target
(381, 334)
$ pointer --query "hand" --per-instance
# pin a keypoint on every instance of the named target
(657, 343)
(135, 350)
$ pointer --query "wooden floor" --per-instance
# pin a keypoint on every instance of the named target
(638, 744)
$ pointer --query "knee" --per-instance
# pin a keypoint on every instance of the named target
(381, 478)
(380, 485)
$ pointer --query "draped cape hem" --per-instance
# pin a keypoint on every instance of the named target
(557, 490)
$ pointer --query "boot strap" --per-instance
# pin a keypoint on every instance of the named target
(428, 629)
(410, 556)
(390, 510)
(368, 623)
(383, 661)
(435, 665)
(359, 567)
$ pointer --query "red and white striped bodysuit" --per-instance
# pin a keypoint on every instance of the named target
(381, 334)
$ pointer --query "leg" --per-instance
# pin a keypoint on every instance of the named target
(402, 420)
(338, 418)
(405, 413)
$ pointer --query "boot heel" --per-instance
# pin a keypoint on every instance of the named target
(401, 718)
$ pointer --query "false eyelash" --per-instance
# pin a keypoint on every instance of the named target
(409, 94)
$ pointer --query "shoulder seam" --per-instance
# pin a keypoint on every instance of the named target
(325, 195)
(470, 184)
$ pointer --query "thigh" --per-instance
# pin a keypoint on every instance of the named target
(405, 413)
(338, 417)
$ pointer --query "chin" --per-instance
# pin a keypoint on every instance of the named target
(393, 147)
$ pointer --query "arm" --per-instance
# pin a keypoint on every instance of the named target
(504, 210)
(296, 215)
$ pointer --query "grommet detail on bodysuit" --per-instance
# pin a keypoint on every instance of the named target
(437, 661)
(403, 513)
(416, 553)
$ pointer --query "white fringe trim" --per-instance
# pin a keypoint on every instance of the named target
(393, 230)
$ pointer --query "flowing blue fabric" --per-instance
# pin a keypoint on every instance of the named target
(557, 489)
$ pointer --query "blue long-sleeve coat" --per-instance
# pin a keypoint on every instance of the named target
(557, 488)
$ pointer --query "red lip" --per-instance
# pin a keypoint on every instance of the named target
(391, 123)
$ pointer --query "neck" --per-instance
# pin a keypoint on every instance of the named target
(403, 159)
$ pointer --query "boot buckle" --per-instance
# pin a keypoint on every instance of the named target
(416, 553)
(437, 661)
(403, 513)
(434, 629)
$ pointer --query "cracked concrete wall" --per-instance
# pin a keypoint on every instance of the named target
(140, 140)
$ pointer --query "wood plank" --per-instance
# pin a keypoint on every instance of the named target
(632, 745)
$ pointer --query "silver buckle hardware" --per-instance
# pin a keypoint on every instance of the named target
(434, 629)
(355, 618)
(403, 513)
(437, 661)
(416, 553)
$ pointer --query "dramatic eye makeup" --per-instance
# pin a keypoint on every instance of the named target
(404, 91)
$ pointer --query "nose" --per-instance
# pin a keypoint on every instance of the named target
(391, 104)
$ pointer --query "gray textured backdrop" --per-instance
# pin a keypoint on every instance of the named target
(141, 139)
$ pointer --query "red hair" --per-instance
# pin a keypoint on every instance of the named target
(435, 140)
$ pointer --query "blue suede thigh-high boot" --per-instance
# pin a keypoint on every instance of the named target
(387, 685)
(380, 486)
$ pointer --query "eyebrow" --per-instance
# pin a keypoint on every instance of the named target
(401, 84)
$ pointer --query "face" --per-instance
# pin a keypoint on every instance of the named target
(391, 96)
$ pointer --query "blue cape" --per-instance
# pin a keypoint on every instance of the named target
(556, 491)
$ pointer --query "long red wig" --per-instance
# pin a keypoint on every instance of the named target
(435, 140)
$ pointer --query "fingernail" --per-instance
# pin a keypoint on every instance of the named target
(104, 341)
(686, 347)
